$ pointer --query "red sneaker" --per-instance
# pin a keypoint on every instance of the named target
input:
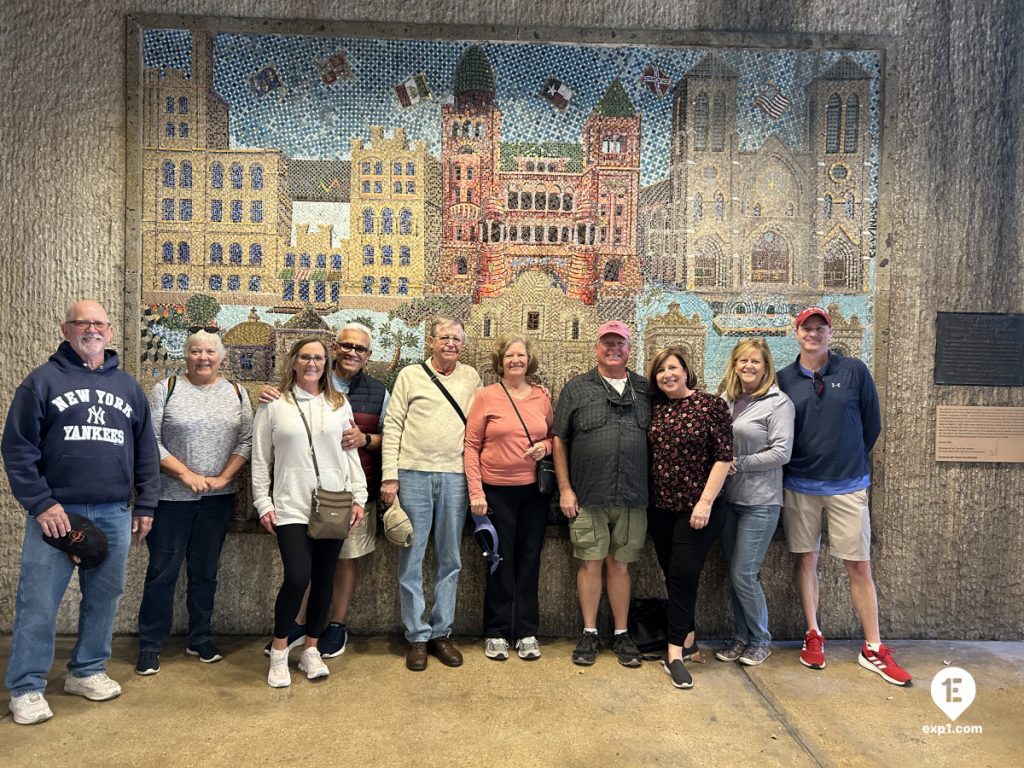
(882, 662)
(813, 653)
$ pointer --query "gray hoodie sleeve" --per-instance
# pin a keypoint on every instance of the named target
(780, 438)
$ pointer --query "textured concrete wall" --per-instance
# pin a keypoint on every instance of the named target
(949, 549)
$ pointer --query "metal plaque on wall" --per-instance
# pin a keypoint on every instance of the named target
(979, 349)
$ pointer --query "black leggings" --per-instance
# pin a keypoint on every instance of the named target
(681, 552)
(306, 561)
(520, 515)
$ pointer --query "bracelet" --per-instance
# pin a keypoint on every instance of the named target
(369, 439)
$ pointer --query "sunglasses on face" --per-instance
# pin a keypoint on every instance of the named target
(350, 347)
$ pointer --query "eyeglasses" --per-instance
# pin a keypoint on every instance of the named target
(349, 347)
(207, 328)
(819, 383)
(450, 339)
(85, 325)
(318, 359)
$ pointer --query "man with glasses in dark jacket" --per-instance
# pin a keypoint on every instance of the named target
(838, 420)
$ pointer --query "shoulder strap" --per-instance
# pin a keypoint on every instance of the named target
(508, 394)
(309, 436)
(170, 388)
(238, 391)
(444, 391)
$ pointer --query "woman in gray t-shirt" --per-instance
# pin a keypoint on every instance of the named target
(203, 425)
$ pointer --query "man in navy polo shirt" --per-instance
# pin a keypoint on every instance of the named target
(838, 421)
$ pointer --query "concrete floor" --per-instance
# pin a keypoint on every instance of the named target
(372, 712)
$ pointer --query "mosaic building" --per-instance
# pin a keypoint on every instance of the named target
(790, 222)
(394, 215)
(213, 218)
(568, 210)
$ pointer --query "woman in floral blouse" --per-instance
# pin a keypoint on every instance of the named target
(690, 440)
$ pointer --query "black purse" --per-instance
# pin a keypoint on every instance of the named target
(648, 624)
(547, 482)
(329, 511)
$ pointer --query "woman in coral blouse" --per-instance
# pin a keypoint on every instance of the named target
(501, 472)
(690, 440)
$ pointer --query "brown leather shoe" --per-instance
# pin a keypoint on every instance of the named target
(416, 657)
(445, 651)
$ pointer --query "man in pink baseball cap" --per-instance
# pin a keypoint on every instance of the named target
(600, 456)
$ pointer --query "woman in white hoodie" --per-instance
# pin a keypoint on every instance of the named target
(762, 424)
(281, 449)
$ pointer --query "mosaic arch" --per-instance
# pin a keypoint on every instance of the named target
(290, 183)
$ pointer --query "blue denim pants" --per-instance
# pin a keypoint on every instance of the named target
(434, 501)
(183, 531)
(745, 538)
(45, 575)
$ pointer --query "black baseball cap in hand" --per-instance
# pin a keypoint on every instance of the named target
(85, 544)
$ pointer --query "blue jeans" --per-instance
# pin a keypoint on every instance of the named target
(183, 529)
(435, 500)
(748, 532)
(45, 574)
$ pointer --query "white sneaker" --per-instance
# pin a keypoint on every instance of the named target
(30, 708)
(311, 663)
(496, 648)
(528, 648)
(96, 687)
(279, 676)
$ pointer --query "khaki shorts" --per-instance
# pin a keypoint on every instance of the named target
(597, 531)
(361, 539)
(849, 523)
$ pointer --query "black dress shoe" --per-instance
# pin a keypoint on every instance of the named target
(416, 657)
(445, 651)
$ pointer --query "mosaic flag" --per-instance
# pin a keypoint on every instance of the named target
(334, 67)
(656, 80)
(772, 101)
(264, 81)
(557, 92)
(413, 91)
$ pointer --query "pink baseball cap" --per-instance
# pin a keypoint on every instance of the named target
(811, 312)
(614, 326)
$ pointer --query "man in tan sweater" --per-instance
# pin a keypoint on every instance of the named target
(422, 465)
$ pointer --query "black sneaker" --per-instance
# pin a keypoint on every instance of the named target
(678, 672)
(585, 652)
(333, 640)
(148, 663)
(207, 652)
(626, 650)
(296, 637)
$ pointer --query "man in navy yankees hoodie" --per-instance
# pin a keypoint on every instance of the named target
(78, 439)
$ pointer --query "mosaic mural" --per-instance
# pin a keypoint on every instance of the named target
(292, 184)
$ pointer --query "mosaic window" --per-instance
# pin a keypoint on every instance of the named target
(236, 211)
(367, 221)
(168, 209)
(236, 175)
(216, 282)
(701, 113)
(168, 172)
(403, 286)
(234, 282)
(836, 266)
(216, 253)
(852, 123)
(385, 286)
(289, 259)
(183, 130)
(769, 259)
(405, 222)
(303, 290)
(304, 260)
(168, 252)
(256, 177)
(183, 105)
(386, 254)
(833, 115)
(183, 253)
(182, 282)
(169, 105)
(256, 211)
(167, 282)
(404, 256)
(367, 254)
(335, 261)
(169, 130)
(707, 263)
(335, 292)
(533, 321)
(387, 224)
(235, 253)
(186, 173)
(718, 123)
(288, 290)
(367, 284)
(185, 210)
(320, 291)
(217, 176)
(255, 254)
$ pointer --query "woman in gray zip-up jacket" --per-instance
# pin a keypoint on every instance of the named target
(762, 417)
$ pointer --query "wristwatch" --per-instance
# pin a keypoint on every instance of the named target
(369, 439)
